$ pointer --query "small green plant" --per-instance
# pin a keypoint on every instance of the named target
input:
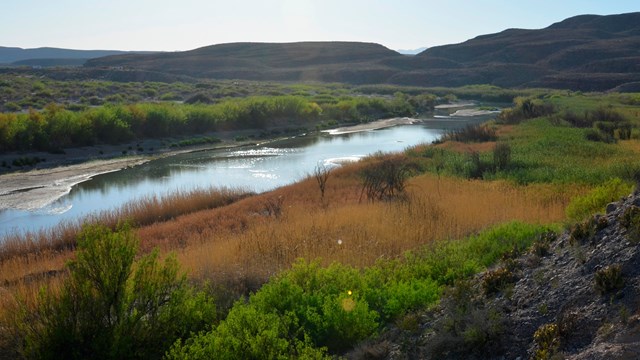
(609, 279)
(542, 245)
(497, 280)
(547, 341)
(583, 232)
(630, 219)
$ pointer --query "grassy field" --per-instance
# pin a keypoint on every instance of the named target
(465, 203)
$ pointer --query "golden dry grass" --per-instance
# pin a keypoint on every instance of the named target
(360, 233)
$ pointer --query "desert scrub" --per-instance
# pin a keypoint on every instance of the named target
(583, 232)
(541, 246)
(630, 219)
(547, 341)
(468, 326)
(112, 305)
(497, 280)
(608, 279)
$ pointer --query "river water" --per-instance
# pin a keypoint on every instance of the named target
(254, 168)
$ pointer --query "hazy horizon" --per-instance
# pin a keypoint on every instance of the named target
(145, 25)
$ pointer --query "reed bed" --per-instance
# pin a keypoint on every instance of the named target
(359, 234)
(143, 211)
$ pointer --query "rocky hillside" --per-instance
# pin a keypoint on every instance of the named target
(573, 296)
(585, 52)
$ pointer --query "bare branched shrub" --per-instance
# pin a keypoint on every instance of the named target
(385, 180)
(321, 173)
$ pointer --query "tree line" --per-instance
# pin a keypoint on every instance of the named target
(56, 128)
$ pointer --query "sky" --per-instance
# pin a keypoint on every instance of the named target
(165, 25)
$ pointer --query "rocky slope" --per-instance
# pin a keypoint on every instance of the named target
(572, 296)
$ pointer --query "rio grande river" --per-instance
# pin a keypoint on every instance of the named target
(256, 168)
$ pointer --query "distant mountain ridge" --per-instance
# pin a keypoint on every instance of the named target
(35, 56)
(352, 62)
(586, 52)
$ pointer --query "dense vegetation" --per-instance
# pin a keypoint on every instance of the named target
(361, 265)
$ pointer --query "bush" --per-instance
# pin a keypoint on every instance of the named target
(609, 279)
(497, 280)
(583, 232)
(630, 219)
(385, 179)
(467, 327)
(114, 307)
(599, 136)
(474, 167)
(525, 108)
(547, 341)
(470, 133)
(247, 334)
(501, 156)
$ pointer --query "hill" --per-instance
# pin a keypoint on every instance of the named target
(48, 56)
(587, 52)
(349, 62)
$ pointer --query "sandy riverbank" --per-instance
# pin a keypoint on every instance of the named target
(38, 188)
(374, 125)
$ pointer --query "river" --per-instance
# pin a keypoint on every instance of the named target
(255, 168)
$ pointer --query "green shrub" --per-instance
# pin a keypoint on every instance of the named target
(547, 341)
(468, 328)
(585, 231)
(113, 307)
(248, 333)
(541, 246)
(630, 219)
(501, 156)
(470, 133)
(609, 279)
(525, 108)
(474, 167)
(497, 280)
(598, 136)
(595, 200)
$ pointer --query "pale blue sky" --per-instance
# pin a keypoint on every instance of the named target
(187, 24)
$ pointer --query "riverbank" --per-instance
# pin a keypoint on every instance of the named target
(374, 125)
